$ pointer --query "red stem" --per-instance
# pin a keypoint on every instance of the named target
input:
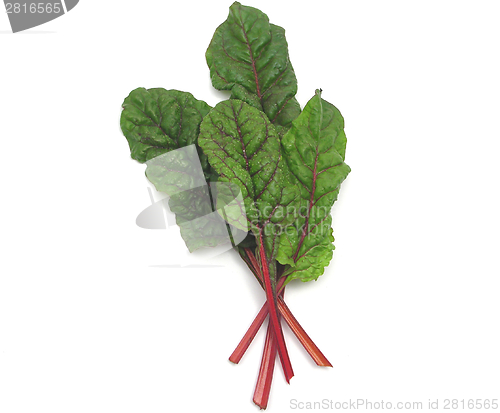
(254, 262)
(253, 329)
(300, 333)
(273, 315)
(313, 350)
(264, 380)
(263, 387)
(249, 335)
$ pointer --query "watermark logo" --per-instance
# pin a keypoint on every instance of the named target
(24, 15)
(209, 214)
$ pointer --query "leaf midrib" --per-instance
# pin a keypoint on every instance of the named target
(252, 60)
(305, 230)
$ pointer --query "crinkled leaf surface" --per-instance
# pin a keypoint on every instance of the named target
(243, 147)
(249, 56)
(156, 121)
(314, 149)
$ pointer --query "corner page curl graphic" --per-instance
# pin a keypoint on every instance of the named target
(25, 14)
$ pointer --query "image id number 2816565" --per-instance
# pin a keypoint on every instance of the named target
(33, 8)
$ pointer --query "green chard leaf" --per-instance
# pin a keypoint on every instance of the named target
(314, 149)
(249, 57)
(244, 149)
(156, 121)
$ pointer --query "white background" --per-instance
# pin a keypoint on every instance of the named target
(408, 310)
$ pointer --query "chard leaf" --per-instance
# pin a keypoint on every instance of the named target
(156, 121)
(249, 56)
(244, 149)
(314, 149)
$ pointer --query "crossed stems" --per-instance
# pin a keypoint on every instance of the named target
(272, 343)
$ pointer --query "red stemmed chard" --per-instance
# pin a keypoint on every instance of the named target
(254, 170)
